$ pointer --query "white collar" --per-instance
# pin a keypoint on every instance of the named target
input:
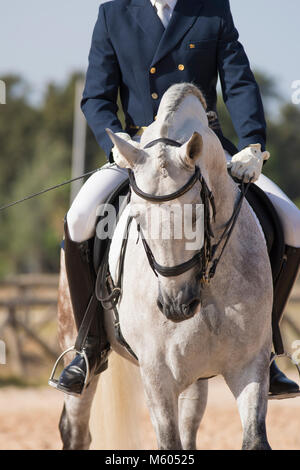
(171, 3)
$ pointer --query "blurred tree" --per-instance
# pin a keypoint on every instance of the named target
(35, 149)
(19, 125)
(284, 144)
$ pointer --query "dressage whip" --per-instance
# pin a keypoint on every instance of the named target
(47, 190)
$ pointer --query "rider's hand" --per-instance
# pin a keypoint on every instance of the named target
(248, 163)
(125, 136)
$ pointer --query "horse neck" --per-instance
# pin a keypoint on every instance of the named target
(225, 200)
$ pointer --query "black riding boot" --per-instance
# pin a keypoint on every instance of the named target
(81, 277)
(280, 385)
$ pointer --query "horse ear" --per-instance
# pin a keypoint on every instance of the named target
(192, 149)
(125, 154)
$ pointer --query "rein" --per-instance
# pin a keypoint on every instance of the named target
(207, 255)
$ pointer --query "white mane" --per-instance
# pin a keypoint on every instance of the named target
(178, 108)
(174, 99)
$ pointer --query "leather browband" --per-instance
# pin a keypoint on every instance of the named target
(170, 197)
(163, 140)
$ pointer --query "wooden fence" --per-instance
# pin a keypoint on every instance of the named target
(27, 307)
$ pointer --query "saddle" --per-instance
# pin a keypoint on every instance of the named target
(271, 226)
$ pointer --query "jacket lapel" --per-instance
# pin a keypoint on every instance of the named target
(184, 15)
(145, 15)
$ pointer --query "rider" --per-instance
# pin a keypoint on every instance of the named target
(142, 47)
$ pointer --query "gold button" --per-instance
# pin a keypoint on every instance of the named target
(192, 46)
(155, 117)
(154, 96)
(180, 67)
(152, 70)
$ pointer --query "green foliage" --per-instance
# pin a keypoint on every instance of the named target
(35, 149)
(35, 153)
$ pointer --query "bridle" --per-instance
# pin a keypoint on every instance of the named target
(205, 259)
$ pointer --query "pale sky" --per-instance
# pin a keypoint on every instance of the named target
(47, 40)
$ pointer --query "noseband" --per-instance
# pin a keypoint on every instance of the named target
(202, 257)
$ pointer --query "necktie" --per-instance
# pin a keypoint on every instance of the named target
(163, 11)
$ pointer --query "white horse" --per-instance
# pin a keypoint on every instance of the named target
(184, 330)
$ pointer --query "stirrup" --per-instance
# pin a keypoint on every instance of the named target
(55, 382)
(285, 395)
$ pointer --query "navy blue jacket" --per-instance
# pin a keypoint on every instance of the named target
(132, 52)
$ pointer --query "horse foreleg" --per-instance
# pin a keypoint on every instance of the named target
(162, 400)
(74, 420)
(250, 387)
(192, 404)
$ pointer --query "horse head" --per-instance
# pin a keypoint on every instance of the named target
(170, 180)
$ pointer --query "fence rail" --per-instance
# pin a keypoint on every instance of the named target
(28, 305)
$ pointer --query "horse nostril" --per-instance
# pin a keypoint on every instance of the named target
(194, 304)
(160, 305)
(188, 310)
(177, 311)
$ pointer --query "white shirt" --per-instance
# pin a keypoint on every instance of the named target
(171, 4)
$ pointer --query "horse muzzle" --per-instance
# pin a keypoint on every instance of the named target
(179, 308)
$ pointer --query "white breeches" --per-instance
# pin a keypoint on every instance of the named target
(82, 215)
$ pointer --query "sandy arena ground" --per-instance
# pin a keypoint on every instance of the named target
(29, 420)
